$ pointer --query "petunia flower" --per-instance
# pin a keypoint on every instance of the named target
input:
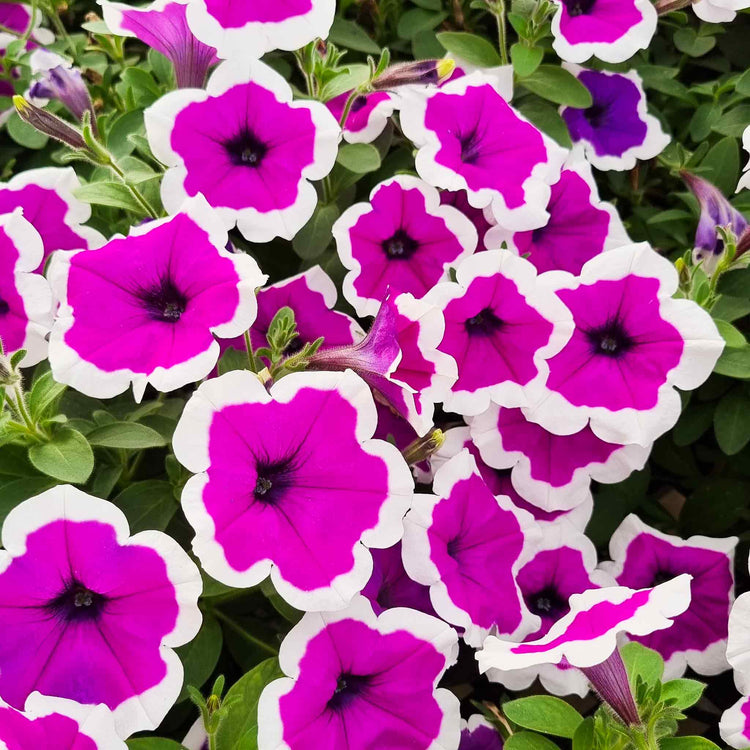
(467, 546)
(715, 211)
(643, 556)
(290, 483)
(564, 564)
(481, 218)
(163, 26)
(74, 592)
(246, 146)
(47, 198)
(632, 346)
(478, 734)
(255, 27)
(616, 130)
(744, 183)
(553, 471)
(390, 586)
(738, 642)
(145, 308)
(586, 637)
(500, 327)
(403, 240)
(735, 724)
(368, 115)
(357, 681)
(580, 225)
(469, 138)
(17, 17)
(311, 295)
(499, 483)
(718, 11)
(612, 30)
(25, 297)
(58, 724)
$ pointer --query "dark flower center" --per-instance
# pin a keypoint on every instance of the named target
(400, 246)
(595, 115)
(453, 547)
(484, 323)
(547, 603)
(273, 479)
(470, 147)
(4, 307)
(358, 103)
(662, 576)
(348, 687)
(579, 7)
(164, 301)
(610, 340)
(76, 603)
(246, 150)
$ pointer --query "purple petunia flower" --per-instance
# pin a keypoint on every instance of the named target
(403, 240)
(632, 345)
(468, 546)
(738, 642)
(254, 27)
(580, 225)
(469, 138)
(17, 17)
(479, 734)
(46, 196)
(481, 218)
(74, 588)
(368, 116)
(163, 26)
(57, 724)
(500, 327)
(553, 471)
(246, 146)
(311, 295)
(359, 681)
(616, 129)
(564, 564)
(612, 30)
(145, 308)
(643, 556)
(289, 483)
(25, 297)
(735, 724)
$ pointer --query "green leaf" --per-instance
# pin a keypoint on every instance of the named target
(147, 505)
(703, 119)
(153, 743)
(199, 657)
(525, 59)
(559, 86)
(682, 693)
(67, 456)
(735, 283)
(127, 435)
(687, 40)
(96, 27)
(416, 20)
(583, 739)
(734, 122)
(112, 194)
(731, 425)
(529, 741)
(735, 363)
(44, 395)
(722, 165)
(18, 490)
(544, 714)
(693, 423)
(734, 338)
(642, 662)
(474, 49)
(743, 84)
(687, 743)
(548, 120)
(359, 158)
(725, 496)
(312, 240)
(347, 80)
(25, 135)
(118, 135)
(352, 36)
(242, 702)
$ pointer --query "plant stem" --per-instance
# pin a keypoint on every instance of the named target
(498, 10)
(18, 404)
(347, 107)
(250, 355)
(133, 190)
(54, 17)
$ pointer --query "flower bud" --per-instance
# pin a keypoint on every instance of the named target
(418, 72)
(47, 123)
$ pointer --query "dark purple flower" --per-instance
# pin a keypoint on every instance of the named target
(479, 734)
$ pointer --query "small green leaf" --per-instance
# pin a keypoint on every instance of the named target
(112, 194)
(474, 49)
(525, 59)
(359, 158)
(688, 42)
(529, 741)
(642, 662)
(682, 693)
(44, 395)
(352, 36)
(127, 435)
(735, 363)
(67, 456)
(733, 122)
(548, 120)
(559, 86)
(583, 739)
(735, 283)
(703, 119)
(199, 657)
(416, 20)
(730, 334)
(731, 425)
(312, 240)
(721, 165)
(147, 505)
(24, 134)
(544, 714)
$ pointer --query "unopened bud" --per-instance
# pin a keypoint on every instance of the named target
(418, 72)
(422, 448)
(49, 124)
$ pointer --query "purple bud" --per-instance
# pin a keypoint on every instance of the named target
(47, 123)
(716, 211)
(610, 680)
(418, 72)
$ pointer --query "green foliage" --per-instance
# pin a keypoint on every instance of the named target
(544, 713)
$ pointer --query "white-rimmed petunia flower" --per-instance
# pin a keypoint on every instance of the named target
(246, 146)
(500, 326)
(478, 734)
(145, 308)
(90, 613)
(289, 482)
(355, 681)
(738, 642)
(633, 345)
(254, 27)
(25, 297)
(616, 130)
(368, 114)
(744, 183)
(469, 138)
(718, 11)
(555, 470)
(467, 545)
(735, 724)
